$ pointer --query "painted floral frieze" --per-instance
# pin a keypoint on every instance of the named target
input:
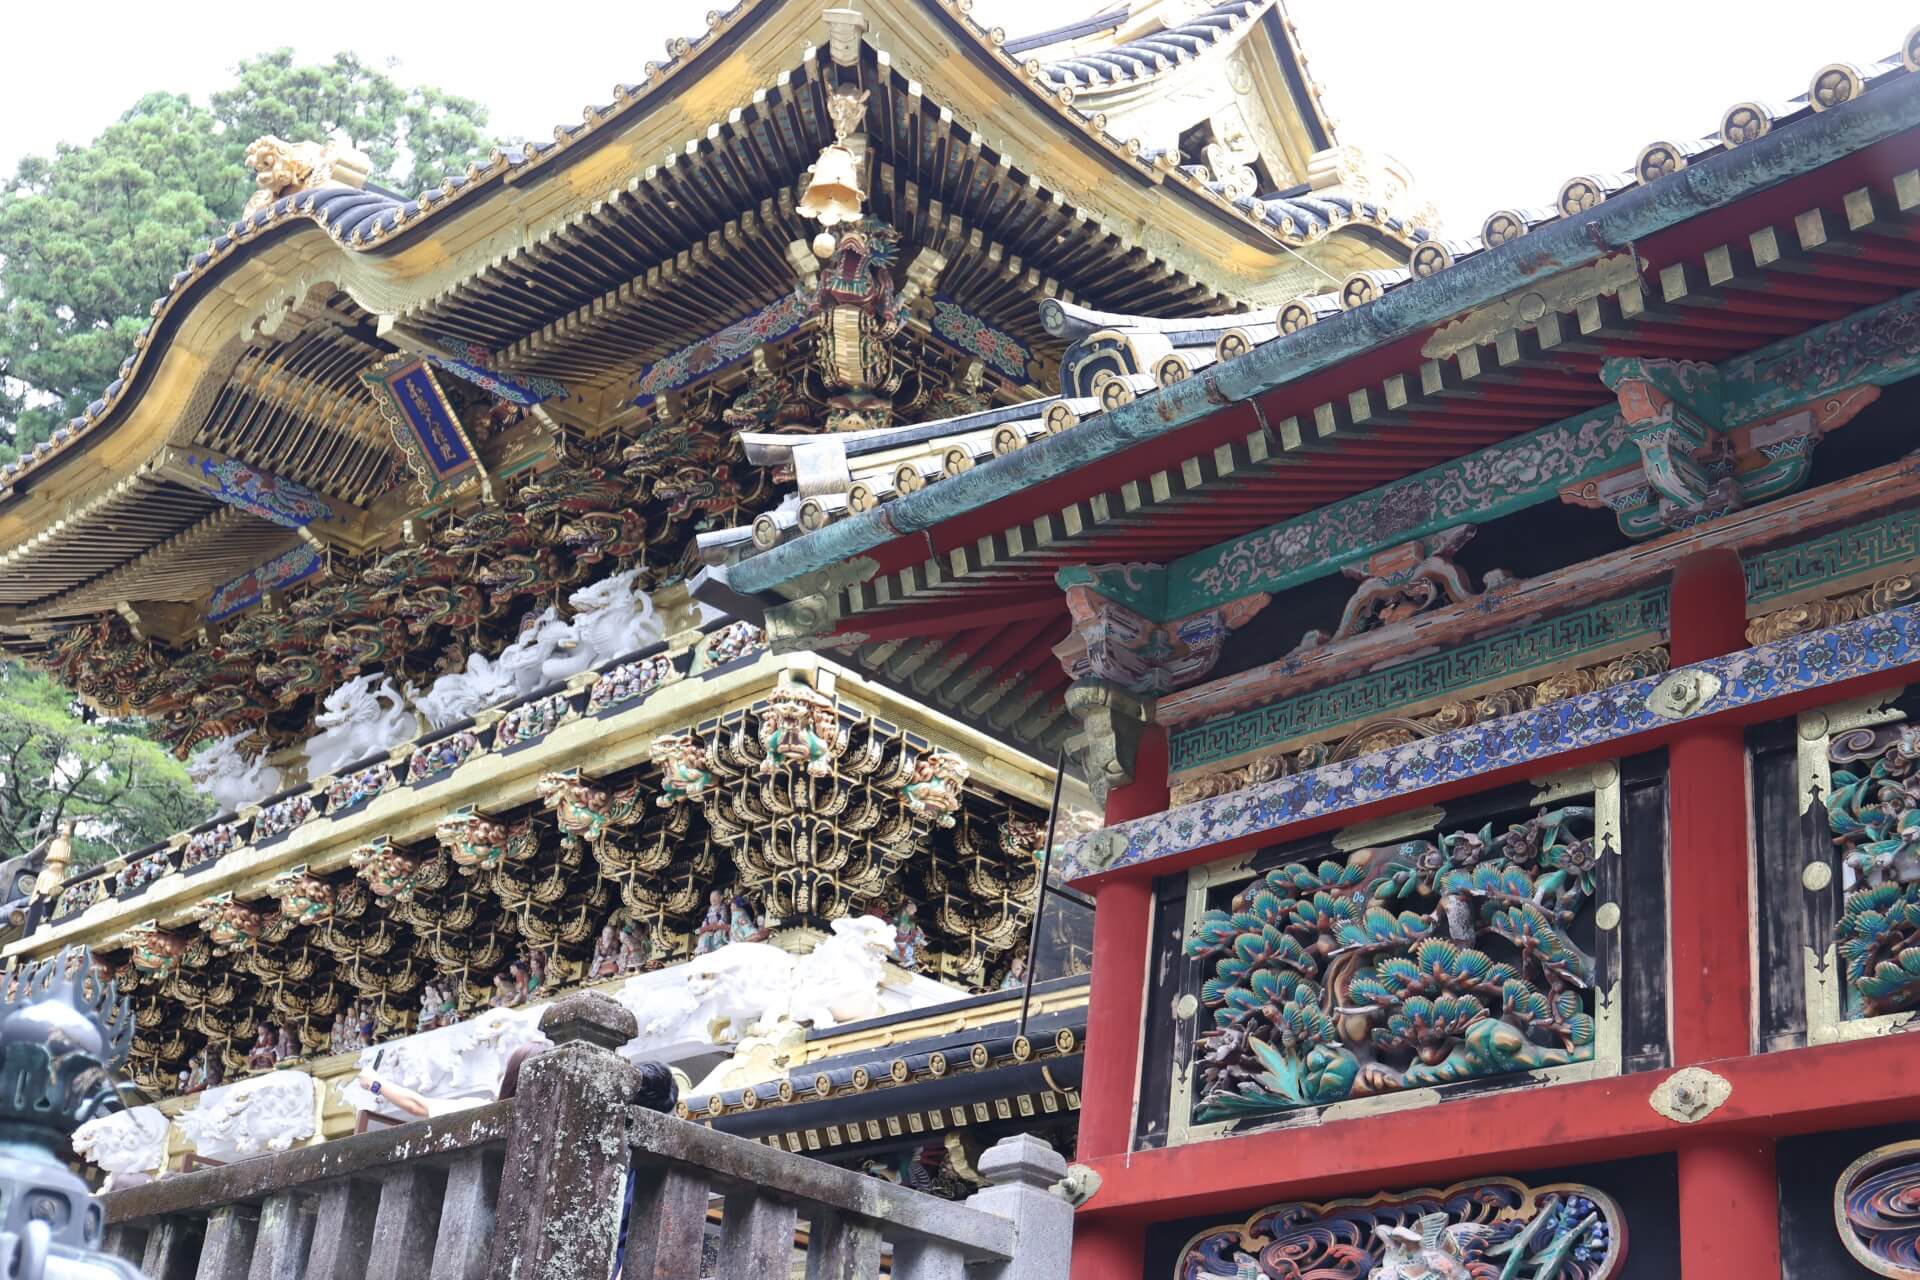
(1419, 964)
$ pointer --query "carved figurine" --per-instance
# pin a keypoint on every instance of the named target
(932, 790)
(712, 933)
(281, 168)
(743, 925)
(798, 727)
(262, 1057)
(1016, 974)
(634, 950)
(284, 1050)
(909, 939)
(684, 768)
(504, 994)
(606, 955)
(1437, 1251)
(536, 969)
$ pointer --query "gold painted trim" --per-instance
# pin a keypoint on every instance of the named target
(491, 782)
(1816, 730)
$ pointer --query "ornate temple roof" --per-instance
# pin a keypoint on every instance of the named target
(379, 221)
(556, 299)
(1171, 441)
(1112, 359)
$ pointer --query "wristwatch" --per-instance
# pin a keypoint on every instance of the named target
(374, 1088)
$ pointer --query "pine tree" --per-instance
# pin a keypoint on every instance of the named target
(123, 790)
(91, 236)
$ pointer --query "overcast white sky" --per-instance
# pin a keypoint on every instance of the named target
(1490, 107)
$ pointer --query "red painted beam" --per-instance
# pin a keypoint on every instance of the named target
(1707, 814)
(1729, 1208)
(1864, 1082)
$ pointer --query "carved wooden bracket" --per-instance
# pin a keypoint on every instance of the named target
(1108, 742)
(1114, 643)
(1693, 465)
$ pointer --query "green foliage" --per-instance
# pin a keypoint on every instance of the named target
(91, 236)
(123, 789)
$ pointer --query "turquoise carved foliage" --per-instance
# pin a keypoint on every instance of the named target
(1874, 812)
(1414, 965)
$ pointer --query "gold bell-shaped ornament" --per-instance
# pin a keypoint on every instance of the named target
(833, 194)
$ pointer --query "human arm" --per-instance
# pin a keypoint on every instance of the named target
(397, 1095)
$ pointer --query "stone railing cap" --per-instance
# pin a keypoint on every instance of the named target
(589, 1016)
(1022, 1160)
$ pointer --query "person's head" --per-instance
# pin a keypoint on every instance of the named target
(658, 1090)
(510, 1078)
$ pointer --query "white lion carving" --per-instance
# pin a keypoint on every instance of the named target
(711, 1000)
(746, 993)
(452, 1065)
(130, 1145)
(842, 979)
(458, 694)
(610, 619)
(265, 1113)
(230, 779)
(357, 724)
(521, 663)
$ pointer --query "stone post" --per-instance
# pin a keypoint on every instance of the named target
(563, 1186)
(1021, 1172)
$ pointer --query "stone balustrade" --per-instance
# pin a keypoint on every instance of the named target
(557, 1182)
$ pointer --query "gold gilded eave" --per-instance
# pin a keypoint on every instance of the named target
(494, 783)
(492, 225)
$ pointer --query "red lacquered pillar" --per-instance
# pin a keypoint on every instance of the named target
(1122, 929)
(1122, 925)
(1729, 1193)
(1108, 1249)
